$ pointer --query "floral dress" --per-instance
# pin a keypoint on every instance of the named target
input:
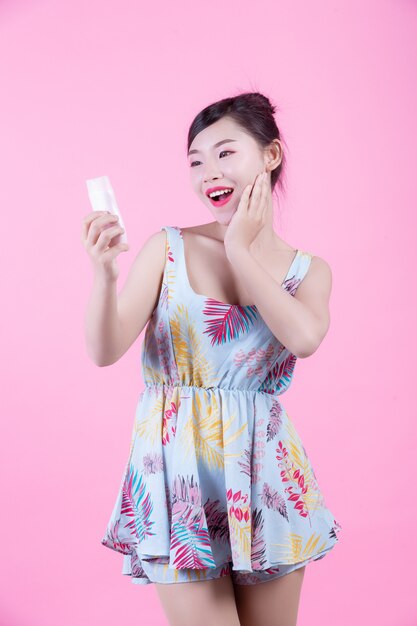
(217, 480)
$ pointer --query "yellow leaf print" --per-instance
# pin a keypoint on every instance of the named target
(203, 430)
(149, 427)
(153, 374)
(193, 366)
(240, 536)
(294, 551)
(313, 497)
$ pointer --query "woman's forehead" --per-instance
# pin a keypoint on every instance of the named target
(211, 137)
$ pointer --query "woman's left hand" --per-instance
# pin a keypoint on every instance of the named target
(251, 215)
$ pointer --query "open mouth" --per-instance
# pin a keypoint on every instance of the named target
(223, 195)
(222, 198)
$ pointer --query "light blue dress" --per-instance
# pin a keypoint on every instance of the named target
(217, 481)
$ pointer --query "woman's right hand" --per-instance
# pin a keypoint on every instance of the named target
(99, 229)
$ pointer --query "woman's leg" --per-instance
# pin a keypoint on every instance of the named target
(199, 603)
(270, 603)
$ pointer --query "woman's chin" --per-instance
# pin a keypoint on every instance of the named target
(224, 219)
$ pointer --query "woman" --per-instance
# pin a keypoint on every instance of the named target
(218, 490)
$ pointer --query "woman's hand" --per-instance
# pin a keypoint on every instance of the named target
(99, 229)
(251, 215)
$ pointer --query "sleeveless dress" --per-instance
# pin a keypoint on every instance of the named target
(217, 480)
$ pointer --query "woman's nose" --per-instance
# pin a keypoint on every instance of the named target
(209, 174)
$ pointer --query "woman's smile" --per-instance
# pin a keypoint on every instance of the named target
(221, 199)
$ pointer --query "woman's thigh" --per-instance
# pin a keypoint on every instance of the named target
(270, 603)
(202, 603)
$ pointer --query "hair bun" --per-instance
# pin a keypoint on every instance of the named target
(262, 100)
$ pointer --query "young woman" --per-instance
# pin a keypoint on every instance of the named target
(218, 491)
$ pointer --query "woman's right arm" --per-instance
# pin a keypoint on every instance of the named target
(112, 322)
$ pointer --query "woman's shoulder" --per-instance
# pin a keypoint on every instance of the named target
(317, 271)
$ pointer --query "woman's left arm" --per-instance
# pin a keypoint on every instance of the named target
(299, 322)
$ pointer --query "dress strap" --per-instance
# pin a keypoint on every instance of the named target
(297, 271)
(173, 257)
(174, 237)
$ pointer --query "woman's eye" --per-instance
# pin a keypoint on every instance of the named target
(222, 152)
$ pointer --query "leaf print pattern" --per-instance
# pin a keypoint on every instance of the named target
(256, 361)
(258, 557)
(191, 359)
(217, 521)
(202, 433)
(296, 548)
(259, 449)
(231, 320)
(168, 423)
(152, 463)
(239, 525)
(272, 499)
(190, 537)
(137, 504)
(275, 420)
(217, 481)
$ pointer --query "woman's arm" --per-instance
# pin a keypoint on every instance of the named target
(299, 322)
(112, 322)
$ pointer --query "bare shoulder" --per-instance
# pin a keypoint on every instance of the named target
(149, 262)
(318, 277)
(156, 240)
(153, 252)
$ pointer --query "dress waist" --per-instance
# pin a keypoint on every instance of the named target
(213, 388)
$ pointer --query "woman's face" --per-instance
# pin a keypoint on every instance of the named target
(235, 163)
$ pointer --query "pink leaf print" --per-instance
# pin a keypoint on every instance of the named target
(258, 557)
(216, 521)
(163, 342)
(238, 514)
(275, 420)
(237, 496)
(169, 415)
(230, 320)
(190, 540)
(291, 474)
(152, 463)
(246, 463)
(137, 504)
(257, 361)
(273, 500)
(291, 284)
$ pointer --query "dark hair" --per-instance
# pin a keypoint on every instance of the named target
(255, 114)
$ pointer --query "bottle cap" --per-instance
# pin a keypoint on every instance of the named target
(99, 184)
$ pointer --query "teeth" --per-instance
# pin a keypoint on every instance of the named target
(219, 193)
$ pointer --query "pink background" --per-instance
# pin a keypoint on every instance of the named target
(93, 88)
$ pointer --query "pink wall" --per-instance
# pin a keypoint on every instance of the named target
(93, 88)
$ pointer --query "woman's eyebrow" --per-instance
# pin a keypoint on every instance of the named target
(216, 145)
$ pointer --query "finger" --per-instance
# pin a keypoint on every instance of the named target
(256, 194)
(244, 200)
(264, 202)
(103, 223)
(87, 221)
(256, 183)
(106, 236)
(259, 200)
(113, 251)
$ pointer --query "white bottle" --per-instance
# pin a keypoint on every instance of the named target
(102, 198)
